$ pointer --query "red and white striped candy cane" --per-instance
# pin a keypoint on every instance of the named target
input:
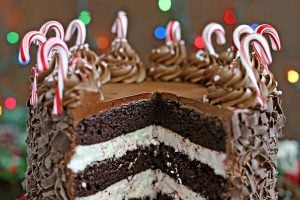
(31, 37)
(264, 51)
(272, 33)
(274, 38)
(53, 25)
(120, 26)
(33, 98)
(173, 31)
(78, 25)
(208, 32)
(236, 36)
(61, 50)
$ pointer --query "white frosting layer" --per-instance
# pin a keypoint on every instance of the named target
(117, 147)
(145, 184)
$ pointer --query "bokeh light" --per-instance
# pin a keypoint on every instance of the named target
(102, 42)
(292, 76)
(229, 16)
(164, 5)
(85, 17)
(160, 32)
(12, 37)
(10, 103)
(254, 25)
(199, 43)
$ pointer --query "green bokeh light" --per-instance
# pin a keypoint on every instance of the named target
(12, 37)
(85, 17)
(164, 5)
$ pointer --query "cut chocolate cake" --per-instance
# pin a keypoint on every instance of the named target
(132, 138)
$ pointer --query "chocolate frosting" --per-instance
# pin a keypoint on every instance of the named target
(200, 67)
(83, 51)
(103, 71)
(166, 62)
(232, 88)
(226, 57)
(124, 64)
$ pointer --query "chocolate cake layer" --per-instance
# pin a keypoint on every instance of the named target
(175, 164)
(159, 197)
(165, 110)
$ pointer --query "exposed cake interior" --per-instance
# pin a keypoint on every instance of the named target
(159, 142)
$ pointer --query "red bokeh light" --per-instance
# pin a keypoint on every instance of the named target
(10, 103)
(229, 17)
(198, 42)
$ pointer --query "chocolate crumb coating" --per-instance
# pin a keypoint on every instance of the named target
(167, 61)
(254, 145)
(124, 64)
(49, 144)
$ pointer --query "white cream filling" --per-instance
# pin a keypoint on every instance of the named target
(87, 154)
(145, 184)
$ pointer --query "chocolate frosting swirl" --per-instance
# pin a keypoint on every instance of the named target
(200, 67)
(226, 57)
(83, 51)
(124, 64)
(166, 62)
(103, 71)
(232, 87)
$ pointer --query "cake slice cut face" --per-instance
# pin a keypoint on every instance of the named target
(153, 140)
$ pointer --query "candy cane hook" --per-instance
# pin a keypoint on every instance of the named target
(246, 58)
(31, 37)
(78, 25)
(43, 65)
(53, 25)
(272, 33)
(237, 33)
(207, 34)
(120, 26)
(173, 31)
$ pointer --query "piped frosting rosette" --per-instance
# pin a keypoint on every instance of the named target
(239, 84)
(124, 64)
(167, 61)
(202, 65)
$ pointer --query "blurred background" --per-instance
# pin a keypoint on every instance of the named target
(147, 21)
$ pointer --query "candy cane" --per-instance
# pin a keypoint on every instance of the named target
(274, 38)
(43, 65)
(53, 25)
(33, 98)
(264, 51)
(272, 33)
(173, 31)
(29, 38)
(207, 33)
(120, 26)
(236, 36)
(81, 32)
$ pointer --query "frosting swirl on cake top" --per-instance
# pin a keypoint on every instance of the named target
(232, 87)
(124, 64)
(167, 61)
(200, 67)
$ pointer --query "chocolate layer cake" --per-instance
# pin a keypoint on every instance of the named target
(164, 138)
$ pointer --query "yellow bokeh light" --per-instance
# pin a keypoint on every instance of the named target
(293, 76)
